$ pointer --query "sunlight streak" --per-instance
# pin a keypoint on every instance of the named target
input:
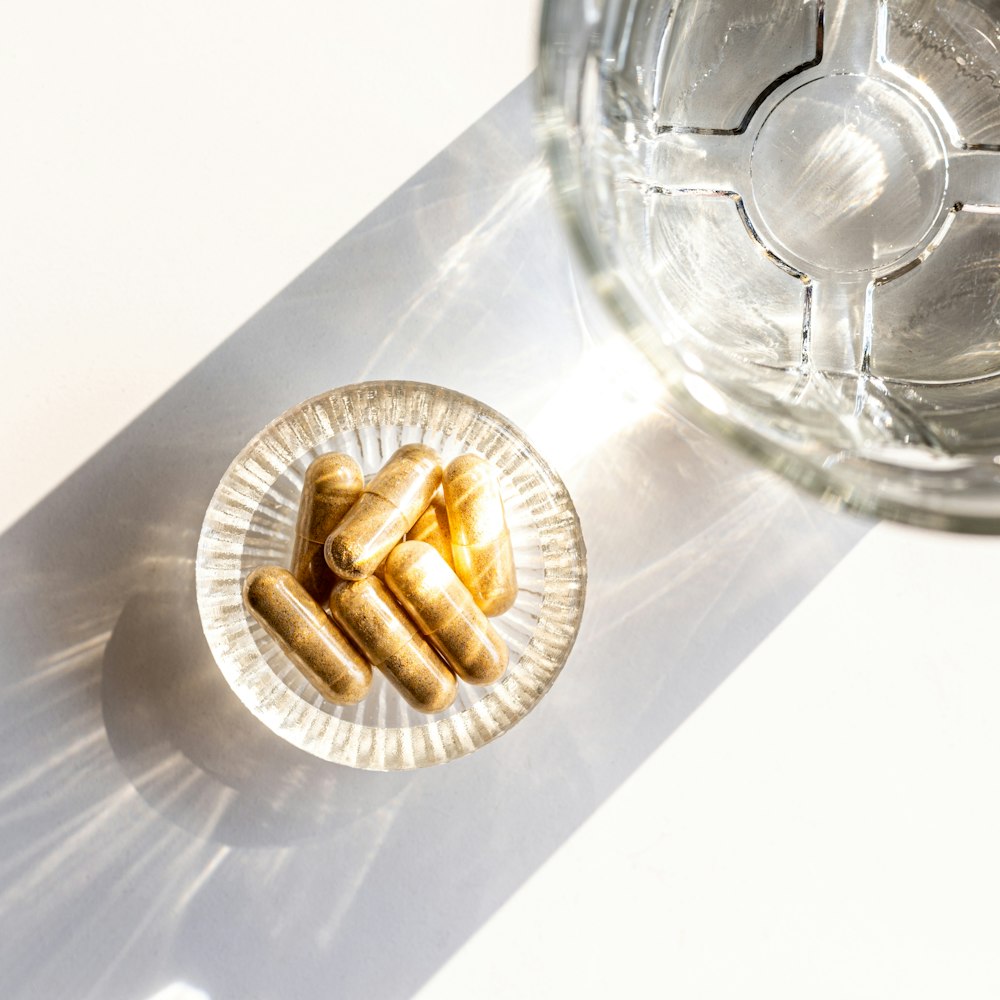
(180, 991)
(611, 389)
(520, 196)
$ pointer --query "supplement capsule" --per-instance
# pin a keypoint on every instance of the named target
(387, 509)
(310, 640)
(431, 594)
(332, 485)
(368, 614)
(480, 541)
(432, 527)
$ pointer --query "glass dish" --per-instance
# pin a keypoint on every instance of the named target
(251, 522)
(793, 207)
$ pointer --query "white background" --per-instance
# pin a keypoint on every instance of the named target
(824, 825)
(170, 167)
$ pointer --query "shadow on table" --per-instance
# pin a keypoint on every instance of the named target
(154, 832)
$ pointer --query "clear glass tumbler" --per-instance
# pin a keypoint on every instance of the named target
(793, 206)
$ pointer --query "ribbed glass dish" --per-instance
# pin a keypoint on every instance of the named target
(251, 522)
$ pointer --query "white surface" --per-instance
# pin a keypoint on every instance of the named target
(824, 825)
(171, 167)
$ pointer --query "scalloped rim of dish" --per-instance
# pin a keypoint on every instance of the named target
(219, 596)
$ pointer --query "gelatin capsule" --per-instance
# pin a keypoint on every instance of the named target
(331, 487)
(432, 527)
(369, 614)
(444, 611)
(480, 541)
(307, 636)
(388, 508)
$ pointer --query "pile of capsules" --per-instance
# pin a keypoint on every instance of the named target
(416, 609)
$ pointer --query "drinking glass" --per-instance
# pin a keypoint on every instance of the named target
(793, 207)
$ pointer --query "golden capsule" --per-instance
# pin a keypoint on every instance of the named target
(480, 540)
(387, 509)
(332, 485)
(368, 613)
(430, 593)
(310, 640)
(432, 527)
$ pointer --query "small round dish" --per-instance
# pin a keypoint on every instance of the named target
(251, 522)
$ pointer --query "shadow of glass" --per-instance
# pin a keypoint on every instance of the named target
(154, 832)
